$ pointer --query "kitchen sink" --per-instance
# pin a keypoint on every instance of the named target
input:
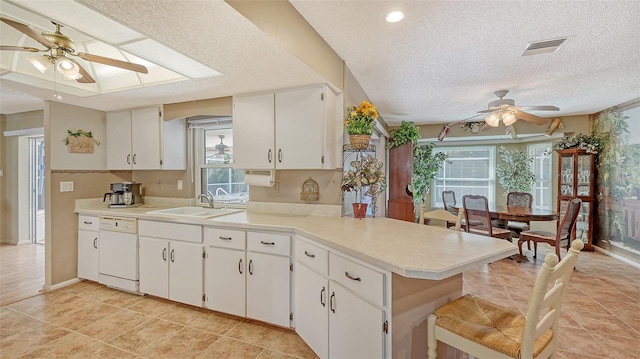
(193, 212)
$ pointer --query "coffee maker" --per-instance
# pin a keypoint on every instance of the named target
(124, 194)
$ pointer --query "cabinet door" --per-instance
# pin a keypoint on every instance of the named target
(253, 132)
(300, 129)
(312, 316)
(88, 255)
(146, 129)
(225, 280)
(268, 288)
(119, 140)
(355, 326)
(154, 266)
(186, 273)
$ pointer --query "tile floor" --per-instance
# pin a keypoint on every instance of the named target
(601, 319)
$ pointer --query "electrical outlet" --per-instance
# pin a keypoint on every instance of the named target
(276, 187)
(180, 185)
(66, 186)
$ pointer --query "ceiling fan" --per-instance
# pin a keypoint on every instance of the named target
(60, 47)
(505, 109)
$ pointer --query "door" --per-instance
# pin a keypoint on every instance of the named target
(312, 310)
(355, 326)
(88, 255)
(146, 127)
(268, 288)
(225, 280)
(185, 273)
(253, 132)
(36, 190)
(154, 266)
(119, 140)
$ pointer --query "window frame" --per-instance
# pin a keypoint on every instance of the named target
(548, 193)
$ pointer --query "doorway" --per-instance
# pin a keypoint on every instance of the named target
(36, 190)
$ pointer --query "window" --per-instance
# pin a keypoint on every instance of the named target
(541, 153)
(214, 159)
(471, 171)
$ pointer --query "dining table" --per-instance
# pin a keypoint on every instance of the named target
(503, 213)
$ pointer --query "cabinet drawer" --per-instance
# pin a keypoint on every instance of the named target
(364, 281)
(225, 238)
(175, 231)
(312, 256)
(269, 243)
(89, 223)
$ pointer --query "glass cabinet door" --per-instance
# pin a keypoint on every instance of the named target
(582, 222)
(566, 176)
(584, 175)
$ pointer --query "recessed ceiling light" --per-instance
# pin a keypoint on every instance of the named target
(394, 16)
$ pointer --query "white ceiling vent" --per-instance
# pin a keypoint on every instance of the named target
(541, 47)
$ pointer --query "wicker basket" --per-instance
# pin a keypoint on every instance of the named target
(359, 142)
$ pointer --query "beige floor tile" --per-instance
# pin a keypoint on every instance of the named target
(124, 299)
(270, 354)
(34, 339)
(620, 347)
(187, 343)
(71, 345)
(153, 306)
(581, 342)
(83, 315)
(199, 318)
(144, 338)
(255, 333)
(227, 348)
(12, 323)
(114, 325)
(288, 342)
(44, 305)
(605, 323)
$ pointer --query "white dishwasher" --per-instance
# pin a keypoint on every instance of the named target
(118, 257)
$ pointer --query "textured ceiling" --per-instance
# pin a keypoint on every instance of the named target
(441, 64)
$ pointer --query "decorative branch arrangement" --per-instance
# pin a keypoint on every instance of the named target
(80, 141)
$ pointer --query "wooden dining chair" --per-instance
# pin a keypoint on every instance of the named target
(478, 219)
(449, 200)
(441, 215)
(487, 330)
(519, 199)
(563, 232)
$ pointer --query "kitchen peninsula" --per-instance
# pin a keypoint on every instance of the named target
(399, 271)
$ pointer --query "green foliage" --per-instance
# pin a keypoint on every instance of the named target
(78, 134)
(407, 132)
(366, 177)
(591, 143)
(360, 119)
(426, 165)
(514, 173)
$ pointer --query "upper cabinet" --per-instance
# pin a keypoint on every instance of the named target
(289, 129)
(140, 140)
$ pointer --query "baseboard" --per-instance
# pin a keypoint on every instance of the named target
(48, 288)
(618, 257)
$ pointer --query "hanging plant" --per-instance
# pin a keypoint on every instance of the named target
(514, 173)
(408, 132)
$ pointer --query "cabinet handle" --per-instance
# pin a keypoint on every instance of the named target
(129, 159)
(225, 238)
(164, 254)
(357, 279)
(268, 243)
(95, 243)
(240, 266)
(269, 155)
(322, 296)
(134, 159)
(250, 266)
(280, 155)
(172, 255)
(332, 301)
(88, 222)
(309, 255)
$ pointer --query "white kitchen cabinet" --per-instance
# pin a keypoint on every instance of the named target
(140, 139)
(312, 309)
(289, 129)
(88, 242)
(225, 280)
(268, 288)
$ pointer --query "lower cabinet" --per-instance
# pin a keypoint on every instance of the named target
(88, 242)
(312, 309)
(225, 280)
(268, 288)
(172, 270)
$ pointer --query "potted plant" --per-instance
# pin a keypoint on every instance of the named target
(514, 173)
(408, 132)
(426, 165)
(366, 178)
(359, 124)
(591, 143)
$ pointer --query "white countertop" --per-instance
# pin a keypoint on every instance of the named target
(408, 249)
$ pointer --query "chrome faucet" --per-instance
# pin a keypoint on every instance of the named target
(208, 197)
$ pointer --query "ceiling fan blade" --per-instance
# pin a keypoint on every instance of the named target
(86, 78)
(113, 62)
(29, 32)
(539, 108)
(487, 111)
(531, 118)
(20, 48)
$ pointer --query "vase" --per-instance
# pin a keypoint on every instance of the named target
(359, 210)
(359, 142)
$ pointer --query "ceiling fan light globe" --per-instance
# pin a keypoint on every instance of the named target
(69, 69)
(42, 63)
(492, 120)
(509, 119)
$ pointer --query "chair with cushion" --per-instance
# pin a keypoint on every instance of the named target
(441, 215)
(563, 231)
(449, 200)
(519, 199)
(478, 219)
(487, 330)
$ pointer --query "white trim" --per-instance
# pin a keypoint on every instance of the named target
(48, 288)
(618, 257)
(36, 131)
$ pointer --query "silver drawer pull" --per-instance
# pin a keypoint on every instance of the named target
(268, 243)
(225, 238)
(346, 274)
(88, 222)
(309, 255)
